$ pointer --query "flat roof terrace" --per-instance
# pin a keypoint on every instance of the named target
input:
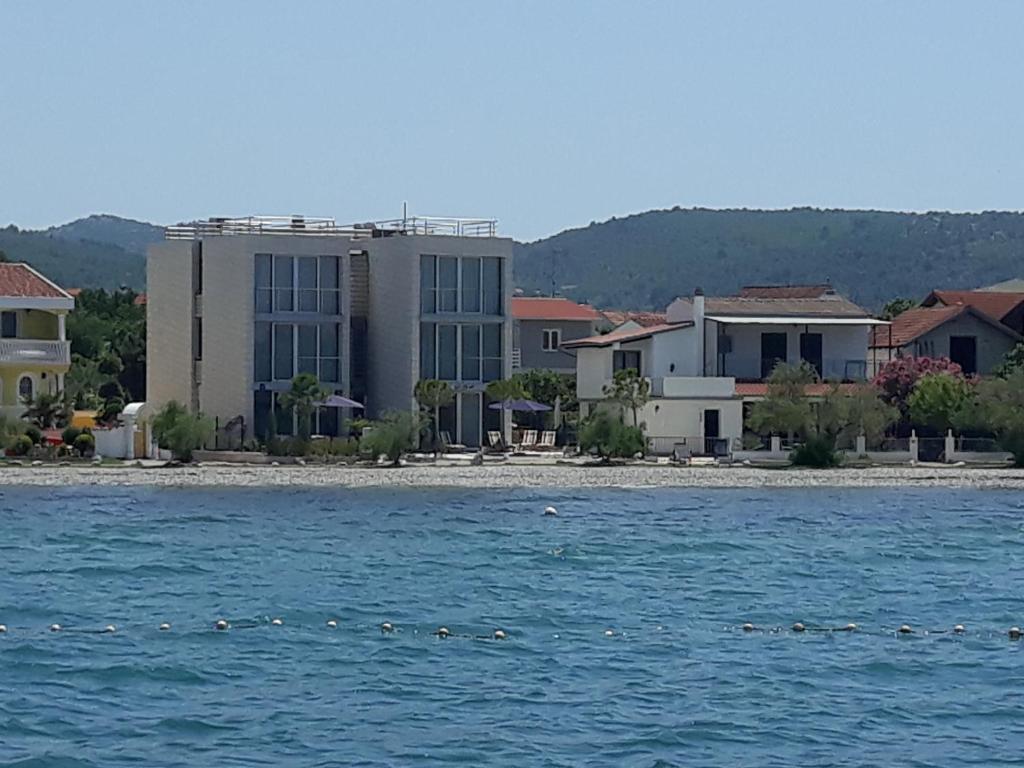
(314, 226)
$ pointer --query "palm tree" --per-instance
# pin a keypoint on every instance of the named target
(46, 411)
(504, 390)
(305, 393)
(433, 395)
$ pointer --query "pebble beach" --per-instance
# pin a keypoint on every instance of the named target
(511, 475)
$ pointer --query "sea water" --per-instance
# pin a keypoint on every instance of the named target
(624, 619)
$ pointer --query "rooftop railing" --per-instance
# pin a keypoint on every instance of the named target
(327, 227)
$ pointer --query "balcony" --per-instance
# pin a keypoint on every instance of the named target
(753, 368)
(32, 352)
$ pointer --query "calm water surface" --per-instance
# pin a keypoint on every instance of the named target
(674, 573)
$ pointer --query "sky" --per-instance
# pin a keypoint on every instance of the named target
(544, 115)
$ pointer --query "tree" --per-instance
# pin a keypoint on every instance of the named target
(998, 406)
(629, 390)
(47, 411)
(548, 387)
(433, 395)
(180, 432)
(785, 408)
(393, 435)
(897, 306)
(503, 390)
(303, 396)
(1012, 361)
(938, 400)
(897, 378)
(111, 324)
(609, 438)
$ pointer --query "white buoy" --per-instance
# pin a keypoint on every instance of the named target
(959, 629)
(799, 627)
(3, 628)
(851, 627)
(276, 622)
(609, 633)
(221, 625)
(905, 629)
(443, 632)
(387, 627)
(110, 629)
(748, 627)
(550, 512)
(1014, 633)
(499, 634)
(55, 627)
(164, 627)
(332, 624)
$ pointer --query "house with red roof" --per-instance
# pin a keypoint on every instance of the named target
(713, 354)
(971, 331)
(35, 354)
(542, 324)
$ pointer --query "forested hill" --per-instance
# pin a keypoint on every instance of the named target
(131, 235)
(646, 260)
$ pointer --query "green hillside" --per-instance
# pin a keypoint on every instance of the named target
(131, 235)
(75, 263)
(647, 260)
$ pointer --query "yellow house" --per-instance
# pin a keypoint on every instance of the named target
(34, 352)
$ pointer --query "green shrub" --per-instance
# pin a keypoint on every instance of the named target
(85, 444)
(21, 445)
(815, 452)
(287, 446)
(33, 433)
(609, 438)
(338, 446)
(180, 432)
(70, 434)
(394, 434)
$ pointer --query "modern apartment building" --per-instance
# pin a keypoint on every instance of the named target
(238, 307)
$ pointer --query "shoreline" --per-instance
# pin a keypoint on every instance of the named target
(547, 475)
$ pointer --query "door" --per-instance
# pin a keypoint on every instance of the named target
(810, 350)
(712, 426)
(963, 350)
(774, 350)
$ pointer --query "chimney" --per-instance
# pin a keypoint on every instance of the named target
(698, 327)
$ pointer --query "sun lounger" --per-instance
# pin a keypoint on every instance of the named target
(447, 446)
(547, 440)
(529, 438)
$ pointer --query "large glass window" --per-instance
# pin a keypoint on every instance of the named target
(283, 416)
(471, 353)
(428, 365)
(492, 360)
(262, 402)
(9, 325)
(492, 287)
(262, 368)
(284, 352)
(307, 350)
(264, 283)
(470, 284)
(330, 363)
(470, 413)
(448, 284)
(428, 284)
(284, 284)
(447, 352)
(626, 360)
(330, 285)
(307, 283)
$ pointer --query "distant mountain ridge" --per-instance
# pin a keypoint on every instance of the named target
(644, 261)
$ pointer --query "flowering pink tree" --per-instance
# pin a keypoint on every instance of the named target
(896, 380)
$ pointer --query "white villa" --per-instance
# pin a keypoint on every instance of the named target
(712, 355)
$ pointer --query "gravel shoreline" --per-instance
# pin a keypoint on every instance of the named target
(508, 475)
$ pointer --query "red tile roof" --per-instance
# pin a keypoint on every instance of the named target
(20, 281)
(646, 319)
(553, 308)
(831, 305)
(784, 291)
(140, 300)
(916, 322)
(996, 305)
(628, 334)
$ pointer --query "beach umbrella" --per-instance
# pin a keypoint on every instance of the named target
(338, 401)
(519, 405)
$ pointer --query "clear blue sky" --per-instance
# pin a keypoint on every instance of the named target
(545, 115)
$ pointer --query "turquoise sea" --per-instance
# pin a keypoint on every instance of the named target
(624, 618)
